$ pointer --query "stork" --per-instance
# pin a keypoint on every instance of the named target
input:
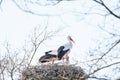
(48, 57)
(65, 49)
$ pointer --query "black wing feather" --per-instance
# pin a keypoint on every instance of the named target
(47, 56)
(60, 49)
(61, 53)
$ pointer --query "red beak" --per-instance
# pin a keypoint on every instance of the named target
(72, 40)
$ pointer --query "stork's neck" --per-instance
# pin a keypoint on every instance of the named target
(70, 43)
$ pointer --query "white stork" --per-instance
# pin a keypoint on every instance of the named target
(64, 50)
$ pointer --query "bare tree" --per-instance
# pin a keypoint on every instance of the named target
(39, 37)
(11, 64)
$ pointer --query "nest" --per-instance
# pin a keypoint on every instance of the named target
(53, 72)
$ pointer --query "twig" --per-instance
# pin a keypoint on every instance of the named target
(110, 11)
(117, 42)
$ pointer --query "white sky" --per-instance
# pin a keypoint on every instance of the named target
(16, 26)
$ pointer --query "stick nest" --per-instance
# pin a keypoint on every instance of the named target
(53, 72)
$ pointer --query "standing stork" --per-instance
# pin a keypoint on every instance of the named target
(65, 49)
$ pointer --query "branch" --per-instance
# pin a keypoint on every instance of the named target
(36, 47)
(98, 78)
(97, 1)
(104, 67)
(35, 44)
(25, 6)
(116, 43)
(111, 33)
(110, 11)
(1, 2)
(37, 41)
(27, 10)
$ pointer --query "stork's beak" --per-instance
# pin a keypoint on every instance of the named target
(72, 40)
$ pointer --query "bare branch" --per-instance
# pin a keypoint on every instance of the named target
(39, 37)
(1, 2)
(112, 64)
(115, 44)
(110, 11)
(36, 47)
(111, 33)
(98, 78)
(97, 1)
(24, 6)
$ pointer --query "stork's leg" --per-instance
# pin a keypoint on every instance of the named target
(67, 59)
(52, 61)
(63, 59)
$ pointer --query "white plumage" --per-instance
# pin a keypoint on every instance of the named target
(64, 50)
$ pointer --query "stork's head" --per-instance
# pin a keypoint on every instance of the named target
(70, 39)
(48, 52)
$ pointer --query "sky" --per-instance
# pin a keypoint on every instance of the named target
(16, 27)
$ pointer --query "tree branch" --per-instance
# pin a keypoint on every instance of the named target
(1, 2)
(112, 64)
(98, 78)
(116, 43)
(110, 11)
